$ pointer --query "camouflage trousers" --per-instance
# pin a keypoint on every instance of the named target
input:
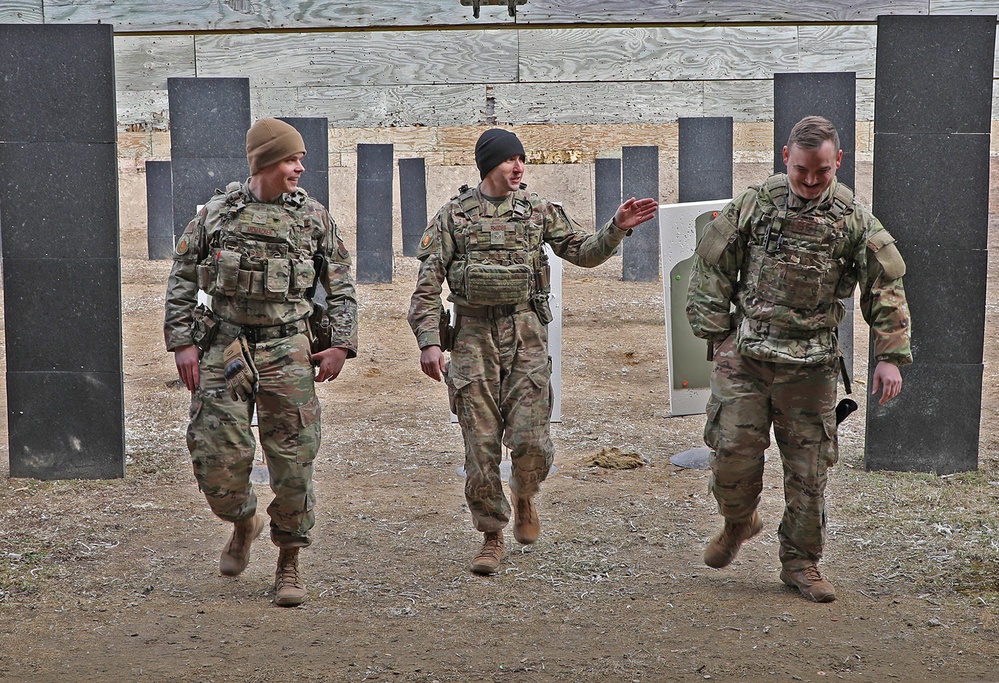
(499, 386)
(288, 420)
(747, 396)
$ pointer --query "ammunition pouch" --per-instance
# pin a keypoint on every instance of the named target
(491, 285)
(206, 327)
(540, 302)
(320, 330)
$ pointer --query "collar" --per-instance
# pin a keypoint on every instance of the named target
(494, 206)
(799, 205)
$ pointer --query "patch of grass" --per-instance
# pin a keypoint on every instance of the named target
(933, 532)
(24, 575)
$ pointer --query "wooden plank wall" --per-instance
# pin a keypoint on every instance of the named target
(226, 15)
(415, 72)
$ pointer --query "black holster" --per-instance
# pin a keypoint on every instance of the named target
(320, 329)
(206, 327)
(445, 331)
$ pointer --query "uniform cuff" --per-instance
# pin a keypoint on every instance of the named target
(619, 229)
(428, 339)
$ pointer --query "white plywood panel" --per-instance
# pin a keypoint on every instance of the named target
(865, 99)
(137, 15)
(362, 58)
(143, 108)
(597, 102)
(363, 107)
(285, 102)
(146, 62)
(21, 12)
(677, 240)
(964, 7)
(206, 15)
(731, 11)
(835, 49)
(657, 54)
(214, 15)
(555, 333)
(742, 100)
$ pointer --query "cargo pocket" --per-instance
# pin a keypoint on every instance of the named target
(192, 430)
(829, 448)
(455, 384)
(308, 433)
(541, 412)
(711, 424)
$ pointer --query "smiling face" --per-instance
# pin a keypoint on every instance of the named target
(277, 179)
(504, 178)
(811, 171)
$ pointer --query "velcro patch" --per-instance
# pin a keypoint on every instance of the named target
(428, 237)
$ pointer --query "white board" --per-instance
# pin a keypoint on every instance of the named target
(687, 363)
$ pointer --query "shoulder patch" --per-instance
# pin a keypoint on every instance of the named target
(429, 236)
(187, 237)
(341, 248)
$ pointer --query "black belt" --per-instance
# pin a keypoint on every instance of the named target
(499, 311)
(259, 333)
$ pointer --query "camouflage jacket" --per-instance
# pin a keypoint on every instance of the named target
(442, 244)
(272, 265)
(744, 279)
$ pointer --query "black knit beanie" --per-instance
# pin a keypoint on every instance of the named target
(494, 147)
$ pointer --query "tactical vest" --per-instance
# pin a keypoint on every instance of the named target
(261, 252)
(498, 259)
(796, 271)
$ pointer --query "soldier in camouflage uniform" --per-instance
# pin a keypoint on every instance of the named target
(256, 248)
(766, 288)
(487, 243)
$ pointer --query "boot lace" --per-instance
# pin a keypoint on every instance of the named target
(812, 574)
(491, 548)
(288, 576)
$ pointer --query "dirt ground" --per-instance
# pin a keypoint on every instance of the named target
(118, 580)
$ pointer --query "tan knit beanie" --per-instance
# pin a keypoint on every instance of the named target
(269, 141)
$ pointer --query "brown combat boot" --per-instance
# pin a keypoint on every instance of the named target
(289, 589)
(810, 583)
(236, 553)
(526, 525)
(490, 555)
(725, 546)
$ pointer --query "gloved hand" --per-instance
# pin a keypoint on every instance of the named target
(240, 372)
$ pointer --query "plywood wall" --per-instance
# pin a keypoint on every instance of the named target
(421, 69)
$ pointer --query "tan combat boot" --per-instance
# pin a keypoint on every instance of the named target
(289, 589)
(526, 525)
(490, 555)
(236, 554)
(725, 546)
(810, 583)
